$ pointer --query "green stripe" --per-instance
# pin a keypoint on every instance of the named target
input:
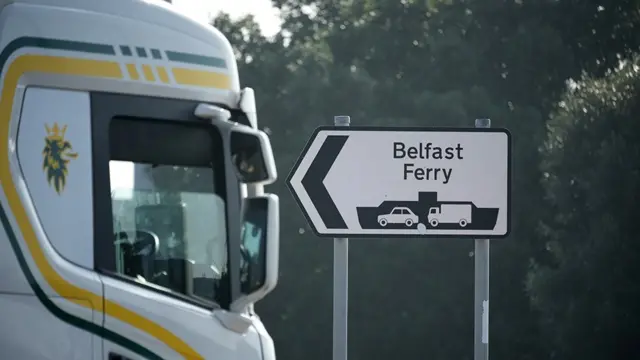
(196, 59)
(142, 52)
(155, 53)
(175, 56)
(55, 310)
(125, 50)
(55, 44)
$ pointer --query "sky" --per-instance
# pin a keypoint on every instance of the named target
(265, 14)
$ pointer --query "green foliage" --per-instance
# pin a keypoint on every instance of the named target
(592, 177)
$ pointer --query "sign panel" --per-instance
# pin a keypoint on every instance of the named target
(405, 182)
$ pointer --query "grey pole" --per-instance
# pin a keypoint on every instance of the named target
(340, 282)
(481, 288)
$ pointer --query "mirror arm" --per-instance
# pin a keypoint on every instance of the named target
(255, 190)
(240, 305)
(213, 113)
(236, 322)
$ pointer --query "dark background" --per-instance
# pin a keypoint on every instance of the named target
(565, 284)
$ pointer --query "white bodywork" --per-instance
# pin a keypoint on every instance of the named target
(451, 214)
(53, 305)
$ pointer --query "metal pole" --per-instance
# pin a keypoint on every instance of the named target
(340, 282)
(481, 287)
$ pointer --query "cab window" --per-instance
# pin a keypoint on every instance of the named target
(168, 206)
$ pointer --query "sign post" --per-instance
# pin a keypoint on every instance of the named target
(406, 182)
(340, 283)
(481, 287)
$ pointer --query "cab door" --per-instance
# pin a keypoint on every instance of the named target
(162, 233)
(51, 169)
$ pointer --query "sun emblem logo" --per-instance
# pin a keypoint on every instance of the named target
(57, 153)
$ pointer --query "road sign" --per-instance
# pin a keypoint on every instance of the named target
(405, 182)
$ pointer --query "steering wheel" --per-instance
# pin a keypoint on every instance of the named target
(141, 242)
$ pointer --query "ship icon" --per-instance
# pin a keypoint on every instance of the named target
(428, 210)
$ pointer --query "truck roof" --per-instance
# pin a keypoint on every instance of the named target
(148, 24)
(151, 11)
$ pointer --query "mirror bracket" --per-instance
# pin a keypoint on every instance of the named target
(247, 104)
(236, 322)
(212, 112)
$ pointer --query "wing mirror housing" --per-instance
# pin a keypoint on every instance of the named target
(259, 249)
(252, 156)
(250, 149)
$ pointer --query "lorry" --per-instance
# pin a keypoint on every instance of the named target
(132, 170)
(459, 213)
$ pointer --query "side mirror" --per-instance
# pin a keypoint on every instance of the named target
(252, 156)
(260, 247)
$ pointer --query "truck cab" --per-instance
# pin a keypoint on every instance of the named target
(134, 221)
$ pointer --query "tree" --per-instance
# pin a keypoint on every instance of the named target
(590, 295)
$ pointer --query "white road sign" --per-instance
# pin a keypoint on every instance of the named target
(405, 182)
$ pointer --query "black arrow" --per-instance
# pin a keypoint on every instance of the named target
(314, 178)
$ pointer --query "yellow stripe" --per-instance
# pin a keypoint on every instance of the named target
(201, 78)
(162, 74)
(133, 72)
(148, 73)
(77, 67)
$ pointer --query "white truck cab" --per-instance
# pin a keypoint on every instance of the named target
(134, 225)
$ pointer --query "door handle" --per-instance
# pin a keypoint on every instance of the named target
(114, 356)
